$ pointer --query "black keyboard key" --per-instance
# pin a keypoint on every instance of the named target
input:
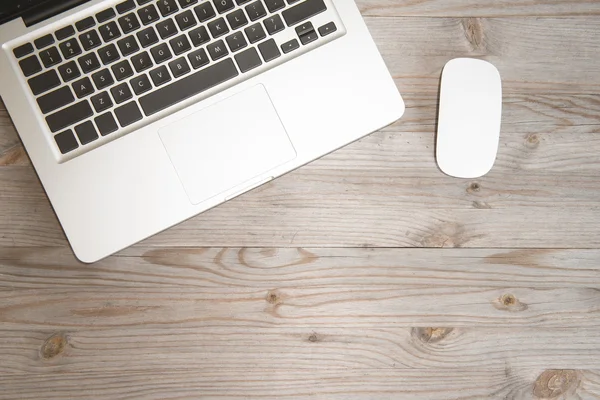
(236, 41)
(23, 50)
(65, 32)
(309, 37)
(103, 79)
(161, 53)
(70, 48)
(84, 24)
(121, 93)
(140, 84)
(199, 36)
(89, 62)
(106, 124)
(89, 40)
(102, 102)
(290, 46)
(128, 45)
(248, 59)
(187, 3)
(240, 2)
(109, 31)
(217, 50)
(327, 29)
(44, 82)
(148, 14)
(269, 50)
(255, 33)
(186, 20)
(83, 87)
(205, 11)
(141, 61)
(69, 71)
(303, 11)
(223, 5)
(142, 2)
(179, 67)
(166, 28)
(128, 5)
(274, 5)
(147, 37)
(167, 7)
(304, 28)
(129, 23)
(109, 54)
(160, 75)
(180, 44)
(30, 65)
(122, 70)
(55, 100)
(218, 27)
(86, 132)
(105, 15)
(189, 86)
(66, 141)
(128, 114)
(44, 41)
(69, 116)
(273, 24)
(237, 19)
(50, 57)
(256, 10)
(198, 58)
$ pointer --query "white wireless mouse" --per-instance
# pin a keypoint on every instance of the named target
(469, 118)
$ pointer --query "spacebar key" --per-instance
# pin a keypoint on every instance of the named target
(188, 87)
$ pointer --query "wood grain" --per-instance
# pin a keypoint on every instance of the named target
(478, 8)
(282, 382)
(333, 308)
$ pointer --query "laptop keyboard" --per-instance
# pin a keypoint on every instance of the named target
(95, 78)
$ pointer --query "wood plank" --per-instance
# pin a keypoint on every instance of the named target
(285, 382)
(265, 269)
(478, 8)
(301, 288)
(250, 347)
(556, 55)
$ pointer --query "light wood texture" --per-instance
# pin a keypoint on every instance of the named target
(367, 274)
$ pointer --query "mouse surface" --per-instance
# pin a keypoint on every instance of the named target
(469, 118)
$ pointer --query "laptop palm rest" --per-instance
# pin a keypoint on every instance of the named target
(226, 145)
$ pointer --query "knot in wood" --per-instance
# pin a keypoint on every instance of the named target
(474, 188)
(431, 335)
(53, 346)
(473, 32)
(273, 297)
(553, 383)
(532, 141)
(508, 302)
(313, 338)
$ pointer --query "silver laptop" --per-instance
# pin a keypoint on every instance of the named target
(140, 114)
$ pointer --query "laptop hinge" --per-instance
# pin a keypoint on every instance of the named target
(49, 10)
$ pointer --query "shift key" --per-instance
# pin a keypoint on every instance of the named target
(69, 116)
(303, 11)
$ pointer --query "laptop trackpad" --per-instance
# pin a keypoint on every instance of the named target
(227, 144)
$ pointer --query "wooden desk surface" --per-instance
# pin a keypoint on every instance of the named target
(365, 275)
